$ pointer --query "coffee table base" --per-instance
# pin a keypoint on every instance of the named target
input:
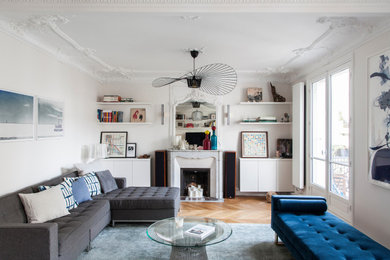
(187, 253)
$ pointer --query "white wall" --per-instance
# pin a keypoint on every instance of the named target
(27, 70)
(371, 202)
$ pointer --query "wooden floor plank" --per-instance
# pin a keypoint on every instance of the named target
(237, 210)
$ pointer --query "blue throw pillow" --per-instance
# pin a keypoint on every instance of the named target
(302, 205)
(80, 191)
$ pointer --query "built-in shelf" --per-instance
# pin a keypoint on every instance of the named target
(124, 103)
(193, 129)
(265, 103)
(125, 123)
(265, 123)
(203, 120)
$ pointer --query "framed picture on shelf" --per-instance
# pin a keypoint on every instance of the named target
(131, 150)
(116, 143)
(254, 144)
(254, 94)
(138, 115)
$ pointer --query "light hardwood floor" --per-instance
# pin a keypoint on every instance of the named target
(238, 210)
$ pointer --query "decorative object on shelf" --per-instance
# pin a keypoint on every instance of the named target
(214, 79)
(137, 115)
(287, 117)
(129, 100)
(111, 98)
(275, 95)
(93, 152)
(50, 118)
(214, 139)
(144, 156)
(197, 115)
(206, 141)
(379, 119)
(180, 116)
(131, 150)
(284, 148)
(254, 144)
(213, 116)
(17, 116)
(189, 125)
(254, 94)
(116, 143)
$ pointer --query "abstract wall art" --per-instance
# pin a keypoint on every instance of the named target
(254, 144)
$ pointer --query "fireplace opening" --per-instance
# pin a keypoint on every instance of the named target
(198, 178)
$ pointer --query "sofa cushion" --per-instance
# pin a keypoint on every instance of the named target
(78, 223)
(327, 237)
(92, 182)
(307, 206)
(45, 205)
(66, 188)
(142, 198)
(107, 182)
(80, 191)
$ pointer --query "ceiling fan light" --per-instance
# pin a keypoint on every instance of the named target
(194, 82)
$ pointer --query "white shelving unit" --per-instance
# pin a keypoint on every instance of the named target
(265, 123)
(125, 108)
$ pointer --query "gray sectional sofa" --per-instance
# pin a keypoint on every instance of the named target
(68, 236)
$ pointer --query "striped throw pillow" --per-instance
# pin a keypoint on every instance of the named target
(92, 182)
(66, 189)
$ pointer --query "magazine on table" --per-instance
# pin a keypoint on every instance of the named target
(201, 231)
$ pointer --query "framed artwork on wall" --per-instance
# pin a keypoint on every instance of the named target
(16, 116)
(138, 115)
(379, 118)
(254, 144)
(131, 150)
(116, 143)
(50, 118)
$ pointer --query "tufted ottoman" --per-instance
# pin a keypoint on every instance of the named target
(317, 235)
(142, 203)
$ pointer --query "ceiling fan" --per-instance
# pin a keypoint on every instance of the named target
(214, 79)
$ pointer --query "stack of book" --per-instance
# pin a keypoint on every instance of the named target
(109, 116)
(111, 98)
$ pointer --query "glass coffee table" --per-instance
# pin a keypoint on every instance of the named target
(172, 232)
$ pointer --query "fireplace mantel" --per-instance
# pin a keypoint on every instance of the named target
(211, 159)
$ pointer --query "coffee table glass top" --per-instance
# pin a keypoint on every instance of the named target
(171, 231)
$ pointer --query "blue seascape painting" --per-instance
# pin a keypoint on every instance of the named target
(16, 116)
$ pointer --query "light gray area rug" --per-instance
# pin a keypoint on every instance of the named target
(129, 241)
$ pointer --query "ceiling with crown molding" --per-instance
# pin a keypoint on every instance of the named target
(111, 45)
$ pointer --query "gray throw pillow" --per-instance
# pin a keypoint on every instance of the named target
(107, 182)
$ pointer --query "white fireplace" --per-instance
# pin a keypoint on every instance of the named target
(208, 159)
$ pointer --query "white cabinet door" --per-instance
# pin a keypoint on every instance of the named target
(123, 168)
(267, 175)
(284, 176)
(249, 175)
(141, 172)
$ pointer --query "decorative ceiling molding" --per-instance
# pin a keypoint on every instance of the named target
(344, 6)
(103, 72)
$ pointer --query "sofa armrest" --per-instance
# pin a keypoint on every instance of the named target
(121, 182)
(29, 241)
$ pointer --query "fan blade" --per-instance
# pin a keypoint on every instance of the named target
(217, 78)
(163, 81)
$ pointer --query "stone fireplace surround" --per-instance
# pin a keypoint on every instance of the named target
(210, 159)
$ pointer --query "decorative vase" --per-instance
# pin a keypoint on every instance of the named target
(206, 143)
(214, 140)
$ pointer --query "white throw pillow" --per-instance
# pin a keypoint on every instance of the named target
(45, 205)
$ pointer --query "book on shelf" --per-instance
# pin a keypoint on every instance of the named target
(201, 231)
(109, 116)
